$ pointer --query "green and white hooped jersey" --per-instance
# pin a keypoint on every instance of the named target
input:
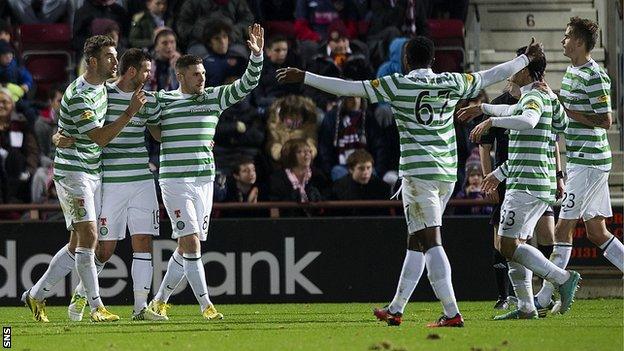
(125, 158)
(188, 123)
(587, 89)
(531, 165)
(83, 108)
(423, 103)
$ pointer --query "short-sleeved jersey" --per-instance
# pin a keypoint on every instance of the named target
(83, 108)
(587, 89)
(423, 103)
(188, 123)
(125, 158)
(531, 166)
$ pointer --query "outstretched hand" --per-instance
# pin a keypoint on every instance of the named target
(290, 75)
(490, 183)
(256, 39)
(480, 129)
(468, 113)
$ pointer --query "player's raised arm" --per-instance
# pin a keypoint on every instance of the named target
(336, 86)
(232, 93)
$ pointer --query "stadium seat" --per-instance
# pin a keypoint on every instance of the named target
(48, 70)
(46, 52)
(448, 36)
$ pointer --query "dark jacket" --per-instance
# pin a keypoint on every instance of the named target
(196, 14)
(281, 189)
(92, 10)
(22, 158)
(142, 30)
(347, 189)
(14, 73)
(220, 67)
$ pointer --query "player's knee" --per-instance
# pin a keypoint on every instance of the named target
(564, 230)
(104, 252)
(414, 243)
(508, 248)
(498, 260)
(142, 243)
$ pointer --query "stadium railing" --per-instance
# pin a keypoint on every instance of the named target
(35, 210)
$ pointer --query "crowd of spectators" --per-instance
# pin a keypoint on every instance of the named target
(282, 142)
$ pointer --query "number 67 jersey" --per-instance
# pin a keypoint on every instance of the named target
(423, 103)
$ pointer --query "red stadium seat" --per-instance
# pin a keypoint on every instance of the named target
(48, 70)
(448, 36)
(47, 54)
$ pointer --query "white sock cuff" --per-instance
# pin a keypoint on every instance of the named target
(145, 256)
(562, 244)
(85, 250)
(607, 243)
(194, 256)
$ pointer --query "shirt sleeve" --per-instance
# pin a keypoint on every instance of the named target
(82, 114)
(502, 172)
(467, 85)
(152, 109)
(560, 118)
(381, 89)
(599, 92)
(230, 94)
(336, 86)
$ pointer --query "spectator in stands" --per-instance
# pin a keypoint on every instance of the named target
(39, 11)
(277, 16)
(395, 61)
(297, 180)
(241, 186)
(313, 18)
(472, 190)
(5, 31)
(452, 9)
(360, 183)
(46, 124)
(144, 23)
(221, 61)
(17, 92)
(348, 127)
(291, 117)
(165, 54)
(196, 14)
(268, 89)
(19, 153)
(15, 73)
(93, 10)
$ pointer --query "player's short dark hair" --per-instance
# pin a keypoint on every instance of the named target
(289, 152)
(133, 58)
(420, 52)
(537, 67)
(163, 32)
(215, 27)
(359, 156)
(188, 60)
(586, 30)
(277, 38)
(94, 45)
(244, 160)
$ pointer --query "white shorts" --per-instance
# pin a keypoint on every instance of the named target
(424, 202)
(519, 215)
(188, 206)
(128, 204)
(586, 194)
(80, 198)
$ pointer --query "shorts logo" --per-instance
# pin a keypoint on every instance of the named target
(103, 231)
(180, 225)
(103, 221)
(177, 213)
(78, 208)
(82, 212)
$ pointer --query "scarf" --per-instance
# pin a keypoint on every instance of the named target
(300, 186)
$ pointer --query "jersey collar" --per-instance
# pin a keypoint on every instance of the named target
(421, 72)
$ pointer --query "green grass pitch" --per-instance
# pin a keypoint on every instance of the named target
(590, 325)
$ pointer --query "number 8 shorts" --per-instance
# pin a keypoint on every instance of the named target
(188, 206)
(586, 194)
(519, 215)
